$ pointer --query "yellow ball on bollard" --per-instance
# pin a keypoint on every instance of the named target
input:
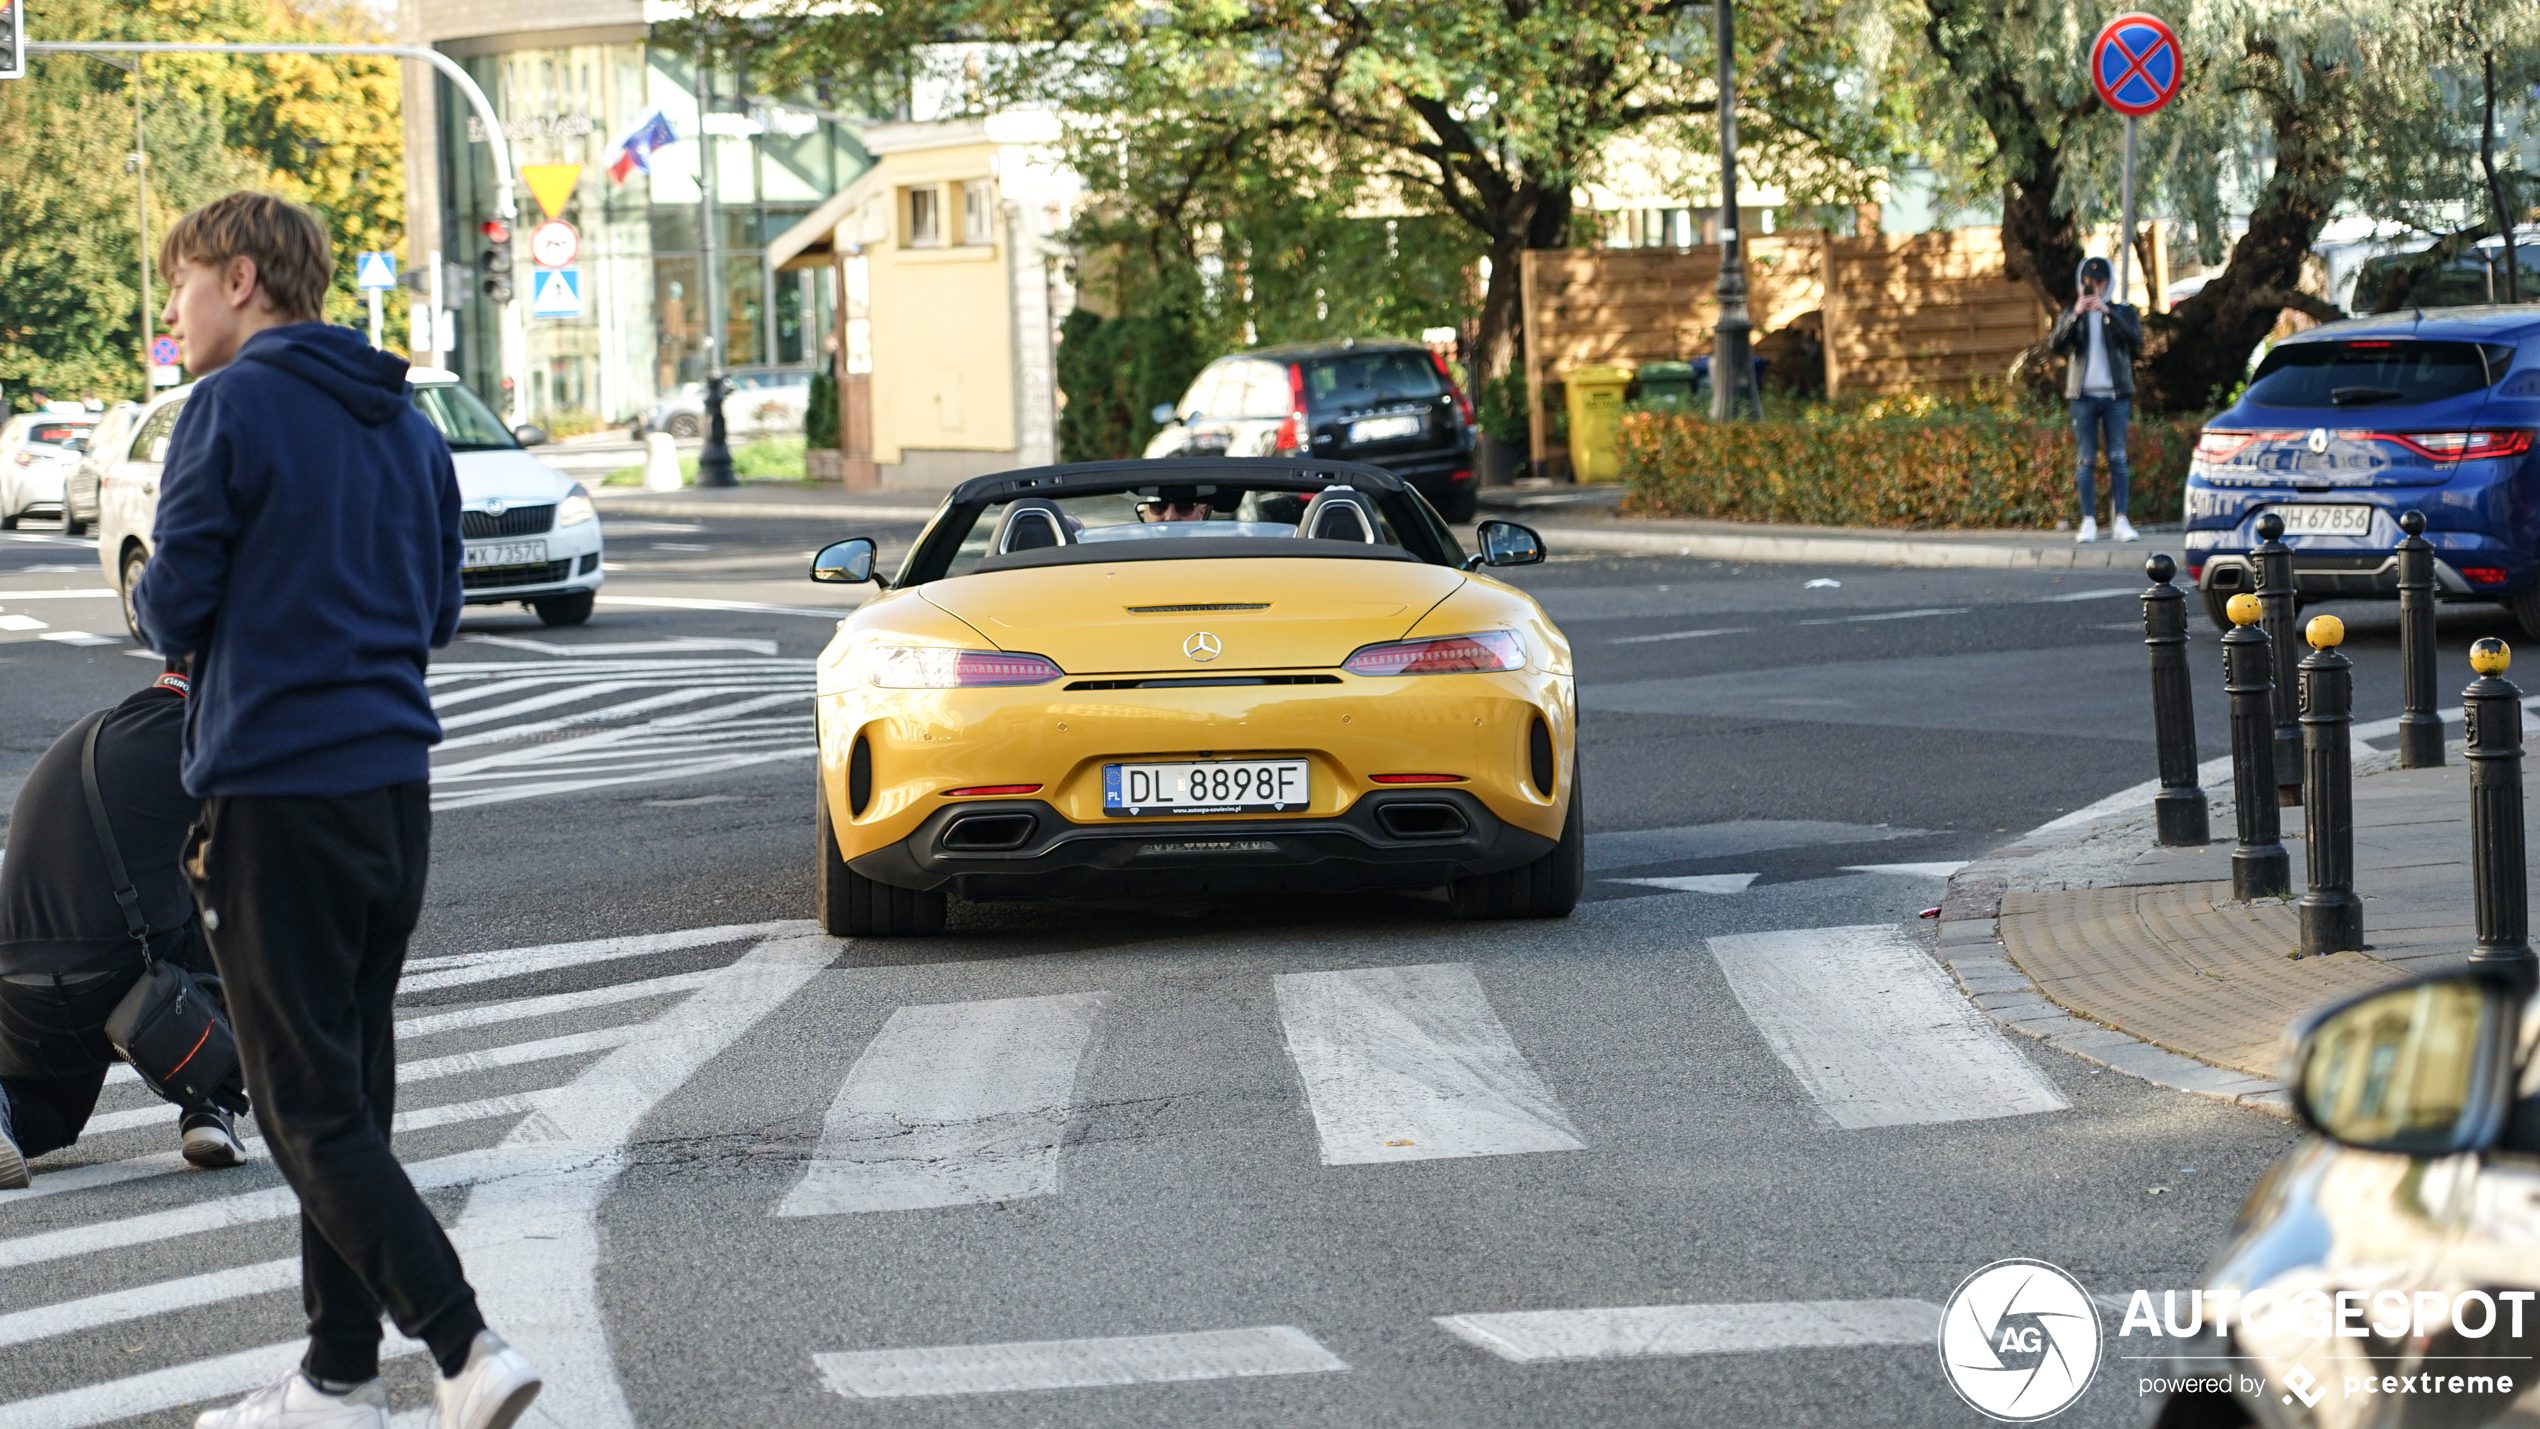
(2242, 608)
(2490, 656)
(2325, 632)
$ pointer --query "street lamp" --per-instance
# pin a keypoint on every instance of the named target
(1733, 393)
(714, 464)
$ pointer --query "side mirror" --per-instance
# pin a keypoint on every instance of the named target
(530, 434)
(1162, 412)
(848, 562)
(2424, 1069)
(1505, 543)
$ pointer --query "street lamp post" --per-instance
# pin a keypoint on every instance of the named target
(714, 464)
(1733, 393)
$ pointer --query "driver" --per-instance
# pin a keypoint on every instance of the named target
(1173, 503)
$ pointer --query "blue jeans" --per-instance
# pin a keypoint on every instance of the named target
(2100, 422)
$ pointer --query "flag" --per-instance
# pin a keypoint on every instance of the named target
(634, 148)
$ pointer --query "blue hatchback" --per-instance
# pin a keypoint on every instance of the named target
(2346, 427)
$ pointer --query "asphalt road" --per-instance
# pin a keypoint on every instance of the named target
(713, 1168)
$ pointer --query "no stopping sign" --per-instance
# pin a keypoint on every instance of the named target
(2135, 65)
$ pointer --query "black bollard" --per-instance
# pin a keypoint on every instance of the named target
(2178, 811)
(2332, 916)
(2260, 868)
(2493, 709)
(2277, 610)
(2420, 728)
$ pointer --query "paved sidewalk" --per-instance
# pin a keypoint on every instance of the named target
(2101, 927)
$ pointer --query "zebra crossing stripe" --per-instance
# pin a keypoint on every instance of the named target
(1076, 1364)
(1646, 1331)
(954, 1104)
(461, 969)
(176, 1385)
(1874, 1031)
(1411, 1064)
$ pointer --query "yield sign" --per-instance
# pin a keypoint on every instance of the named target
(2134, 64)
(552, 183)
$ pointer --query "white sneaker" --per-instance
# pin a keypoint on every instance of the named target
(490, 1392)
(12, 1165)
(2125, 530)
(211, 1140)
(2089, 531)
(295, 1402)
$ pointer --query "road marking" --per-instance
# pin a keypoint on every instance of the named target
(22, 622)
(97, 593)
(955, 1104)
(98, 1174)
(1911, 870)
(1874, 1031)
(2104, 594)
(1076, 1364)
(1682, 635)
(1697, 882)
(460, 969)
(1885, 615)
(176, 1385)
(1625, 848)
(1411, 1064)
(686, 644)
(1644, 1331)
(77, 637)
(664, 602)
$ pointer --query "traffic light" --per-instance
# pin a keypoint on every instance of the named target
(497, 262)
(12, 39)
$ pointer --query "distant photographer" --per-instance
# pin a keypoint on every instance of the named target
(69, 956)
(2099, 339)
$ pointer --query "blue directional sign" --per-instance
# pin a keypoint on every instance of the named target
(555, 293)
(375, 270)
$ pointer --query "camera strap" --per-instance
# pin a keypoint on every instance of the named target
(126, 896)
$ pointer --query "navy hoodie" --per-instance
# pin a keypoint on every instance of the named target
(307, 555)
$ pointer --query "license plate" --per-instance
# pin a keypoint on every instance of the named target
(1384, 429)
(2309, 520)
(1217, 786)
(509, 553)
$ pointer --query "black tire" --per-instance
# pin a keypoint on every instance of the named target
(1546, 888)
(2216, 603)
(135, 561)
(8, 523)
(685, 425)
(850, 905)
(564, 609)
(2526, 612)
(74, 528)
(1460, 507)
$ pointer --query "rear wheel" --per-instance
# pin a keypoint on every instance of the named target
(134, 562)
(850, 905)
(1546, 888)
(2526, 610)
(564, 609)
(685, 425)
(2217, 608)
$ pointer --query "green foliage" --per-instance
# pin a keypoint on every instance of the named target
(820, 414)
(1913, 464)
(1501, 408)
(1114, 371)
(767, 459)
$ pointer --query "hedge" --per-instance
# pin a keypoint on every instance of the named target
(1914, 464)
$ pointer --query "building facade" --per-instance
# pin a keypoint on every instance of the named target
(567, 77)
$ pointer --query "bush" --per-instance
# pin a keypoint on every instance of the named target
(1113, 372)
(820, 414)
(1912, 463)
(571, 422)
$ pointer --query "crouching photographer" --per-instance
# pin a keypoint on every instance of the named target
(102, 958)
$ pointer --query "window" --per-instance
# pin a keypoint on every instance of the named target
(1264, 393)
(978, 211)
(925, 217)
(464, 421)
(1373, 379)
(151, 443)
(2375, 372)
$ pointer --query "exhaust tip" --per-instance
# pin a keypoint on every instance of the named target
(1412, 819)
(987, 833)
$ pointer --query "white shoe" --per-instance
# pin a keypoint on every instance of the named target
(12, 1165)
(2089, 531)
(2125, 530)
(295, 1402)
(211, 1140)
(490, 1392)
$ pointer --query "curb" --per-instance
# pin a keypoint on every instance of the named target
(1856, 550)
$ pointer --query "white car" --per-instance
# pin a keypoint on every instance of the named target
(37, 450)
(761, 401)
(532, 534)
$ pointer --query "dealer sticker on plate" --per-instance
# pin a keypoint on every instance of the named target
(1247, 786)
(2322, 520)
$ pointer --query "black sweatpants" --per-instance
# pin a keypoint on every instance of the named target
(309, 903)
(53, 1048)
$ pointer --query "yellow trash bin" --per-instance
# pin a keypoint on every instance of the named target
(1595, 401)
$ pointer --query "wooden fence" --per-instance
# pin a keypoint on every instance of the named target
(1901, 313)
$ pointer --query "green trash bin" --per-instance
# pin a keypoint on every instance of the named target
(1667, 386)
(1595, 400)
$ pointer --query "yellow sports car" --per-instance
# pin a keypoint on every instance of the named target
(1183, 678)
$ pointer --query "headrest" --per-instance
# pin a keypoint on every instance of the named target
(1031, 525)
(1340, 513)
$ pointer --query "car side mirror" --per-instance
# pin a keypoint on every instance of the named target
(2424, 1068)
(1162, 413)
(1505, 543)
(530, 434)
(848, 562)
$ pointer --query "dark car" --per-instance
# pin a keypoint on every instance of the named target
(2347, 427)
(1385, 404)
(2382, 1274)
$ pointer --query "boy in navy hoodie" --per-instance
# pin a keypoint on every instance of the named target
(306, 555)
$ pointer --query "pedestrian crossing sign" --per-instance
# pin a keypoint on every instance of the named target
(555, 293)
(375, 270)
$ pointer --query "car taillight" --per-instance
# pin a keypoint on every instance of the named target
(1415, 778)
(2483, 575)
(991, 789)
(1463, 403)
(1292, 432)
(933, 668)
(1445, 655)
(2216, 446)
(2457, 446)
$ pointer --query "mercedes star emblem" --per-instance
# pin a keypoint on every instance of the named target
(1203, 646)
(2319, 440)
